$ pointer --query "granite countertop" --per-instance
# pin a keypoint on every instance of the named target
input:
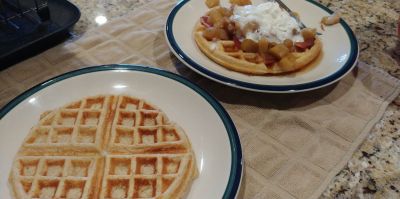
(374, 169)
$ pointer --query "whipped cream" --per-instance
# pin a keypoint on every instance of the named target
(274, 23)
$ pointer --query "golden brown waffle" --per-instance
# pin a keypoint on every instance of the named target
(224, 53)
(145, 154)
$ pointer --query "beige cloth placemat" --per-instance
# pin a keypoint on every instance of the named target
(293, 144)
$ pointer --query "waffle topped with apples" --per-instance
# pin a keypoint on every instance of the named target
(255, 39)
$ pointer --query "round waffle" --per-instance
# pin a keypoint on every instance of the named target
(104, 147)
(224, 53)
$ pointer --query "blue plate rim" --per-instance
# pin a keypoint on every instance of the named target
(235, 175)
(351, 62)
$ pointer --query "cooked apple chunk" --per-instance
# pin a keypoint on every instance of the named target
(212, 3)
(288, 62)
(308, 33)
(279, 51)
(263, 46)
(240, 2)
(249, 45)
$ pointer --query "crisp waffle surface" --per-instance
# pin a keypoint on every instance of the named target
(147, 176)
(139, 127)
(55, 176)
(224, 53)
(104, 147)
(79, 127)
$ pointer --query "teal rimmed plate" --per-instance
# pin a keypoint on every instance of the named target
(211, 131)
(339, 56)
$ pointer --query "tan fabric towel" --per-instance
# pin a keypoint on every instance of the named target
(293, 144)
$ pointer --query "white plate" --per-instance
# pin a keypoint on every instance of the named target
(209, 128)
(340, 50)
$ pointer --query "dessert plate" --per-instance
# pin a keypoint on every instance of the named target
(212, 133)
(339, 55)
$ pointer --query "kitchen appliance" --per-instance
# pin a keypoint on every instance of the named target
(28, 27)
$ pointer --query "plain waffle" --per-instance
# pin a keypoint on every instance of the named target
(104, 147)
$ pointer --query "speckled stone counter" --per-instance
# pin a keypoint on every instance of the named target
(374, 170)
